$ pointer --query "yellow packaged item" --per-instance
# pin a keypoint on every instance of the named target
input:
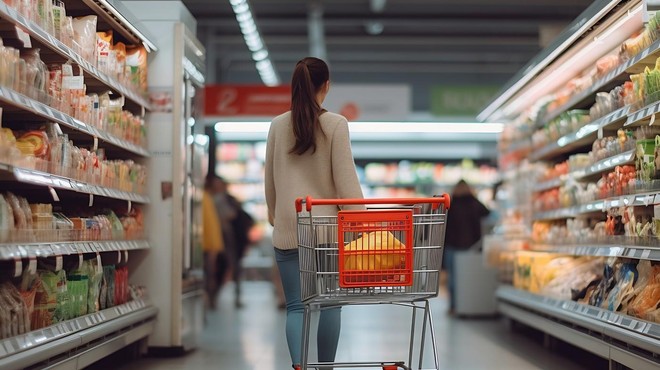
(372, 252)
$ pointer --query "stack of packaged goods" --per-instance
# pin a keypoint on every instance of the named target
(48, 150)
(620, 285)
(23, 222)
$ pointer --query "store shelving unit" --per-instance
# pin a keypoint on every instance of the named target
(123, 324)
(615, 336)
(79, 342)
(620, 338)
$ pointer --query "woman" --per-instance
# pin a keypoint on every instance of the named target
(464, 222)
(308, 153)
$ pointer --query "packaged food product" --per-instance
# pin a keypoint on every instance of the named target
(363, 253)
(622, 291)
(104, 52)
(45, 300)
(34, 143)
(78, 288)
(95, 276)
(136, 66)
(20, 218)
(84, 31)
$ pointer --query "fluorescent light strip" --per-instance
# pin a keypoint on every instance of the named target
(254, 42)
(378, 127)
(532, 72)
(126, 23)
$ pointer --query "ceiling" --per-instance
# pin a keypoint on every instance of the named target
(422, 43)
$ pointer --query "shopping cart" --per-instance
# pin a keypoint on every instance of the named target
(390, 254)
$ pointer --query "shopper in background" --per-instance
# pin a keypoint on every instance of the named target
(308, 153)
(212, 243)
(464, 229)
(236, 225)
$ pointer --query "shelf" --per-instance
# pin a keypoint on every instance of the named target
(644, 115)
(549, 184)
(10, 251)
(643, 57)
(40, 345)
(35, 177)
(632, 331)
(21, 101)
(583, 136)
(641, 252)
(49, 41)
(633, 200)
(605, 165)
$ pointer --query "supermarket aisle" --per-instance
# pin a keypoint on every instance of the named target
(252, 338)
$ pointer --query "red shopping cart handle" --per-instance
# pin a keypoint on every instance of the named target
(309, 202)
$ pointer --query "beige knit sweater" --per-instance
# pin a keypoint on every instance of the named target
(327, 173)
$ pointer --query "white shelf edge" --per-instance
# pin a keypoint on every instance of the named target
(13, 16)
(605, 164)
(550, 184)
(19, 100)
(39, 345)
(640, 333)
(35, 177)
(641, 252)
(632, 200)
(11, 251)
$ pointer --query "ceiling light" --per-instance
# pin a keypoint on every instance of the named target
(254, 42)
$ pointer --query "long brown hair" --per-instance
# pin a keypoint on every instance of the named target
(309, 76)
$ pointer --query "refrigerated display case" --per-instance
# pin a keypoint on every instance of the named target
(579, 153)
(179, 159)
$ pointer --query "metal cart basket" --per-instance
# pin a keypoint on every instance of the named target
(391, 254)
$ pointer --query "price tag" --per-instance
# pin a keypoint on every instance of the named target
(80, 260)
(9, 346)
(91, 200)
(53, 194)
(652, 120)
(646, 253)
(58, 263)
(648, 200)
(73, 82)
(96, 144)
(118, 257)
(32, 265)
(88, 321)
(130, 206)
(101, 316)
(56, 330)
(18, 267)
(24, 37)
(125, 256)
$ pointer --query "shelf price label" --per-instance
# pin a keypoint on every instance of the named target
(23, 37)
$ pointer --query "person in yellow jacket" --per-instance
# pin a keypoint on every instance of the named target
(212, 242)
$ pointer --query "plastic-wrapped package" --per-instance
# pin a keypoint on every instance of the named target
(84, 34)
(95, 275)
(78, 289)
(28, 292)
(20, 219)
(572, 283)
(622, 292)
(109, 280)
(37, 74)
(13, 316)
(104, 53)
(597, 295)
(136, 66)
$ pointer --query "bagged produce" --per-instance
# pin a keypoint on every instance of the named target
(13, 312)
(622, 292)
(95, 275)
(597, 296)
(78, 288)
(572, 283)
(373, 252)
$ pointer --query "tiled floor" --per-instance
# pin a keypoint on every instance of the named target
(253, 338)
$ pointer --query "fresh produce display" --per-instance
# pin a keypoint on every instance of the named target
(23, 222)
(617, 284)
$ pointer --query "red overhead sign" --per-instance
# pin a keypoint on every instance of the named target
(246, 100)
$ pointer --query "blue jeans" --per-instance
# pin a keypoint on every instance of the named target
(329, 321)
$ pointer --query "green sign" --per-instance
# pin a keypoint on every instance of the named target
(460, 100)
